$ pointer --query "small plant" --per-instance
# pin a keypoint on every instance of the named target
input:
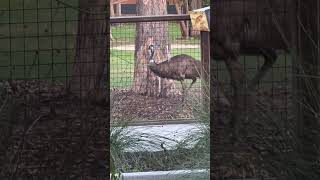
(130, 151)
(115, 174)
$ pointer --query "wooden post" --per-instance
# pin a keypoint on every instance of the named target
(205, 71)
(118, 7)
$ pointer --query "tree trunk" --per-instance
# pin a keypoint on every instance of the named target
(156, 33)
(111, 9)
(118, 11)
(87, 72)
(111, 15)
(183, 27)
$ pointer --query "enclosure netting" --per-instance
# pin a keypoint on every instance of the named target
(47, 132)
(140, 95)
(259, 119)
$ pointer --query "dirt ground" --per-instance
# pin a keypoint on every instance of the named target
(128, 105)
(52, 131)
(51, 120)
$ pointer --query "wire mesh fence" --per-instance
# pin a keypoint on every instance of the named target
(146, 94)
(254, 41)
(47, 132)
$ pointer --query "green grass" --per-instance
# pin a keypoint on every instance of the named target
(126, 34)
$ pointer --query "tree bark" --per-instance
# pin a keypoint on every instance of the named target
(111, 15)
(87, 72)
(156, 33)
(111, 9)
(118, 5)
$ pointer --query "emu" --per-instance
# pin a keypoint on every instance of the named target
(179, 67)
(249, 28)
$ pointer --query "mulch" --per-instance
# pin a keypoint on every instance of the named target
(54, 129)
(127, 105)
(56, 136)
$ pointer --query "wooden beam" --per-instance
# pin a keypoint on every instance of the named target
(133, 19)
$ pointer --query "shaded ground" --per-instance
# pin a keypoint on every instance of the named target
(251, 156)
(54, 135)
(54, 130)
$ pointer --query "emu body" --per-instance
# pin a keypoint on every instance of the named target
(182, 67)
(250, 28)
(243, 27)
(179, 67)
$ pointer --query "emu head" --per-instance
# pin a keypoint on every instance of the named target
(151, 54)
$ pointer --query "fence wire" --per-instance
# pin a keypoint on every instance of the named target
(140, 94)
(46, 133)
(260, 118)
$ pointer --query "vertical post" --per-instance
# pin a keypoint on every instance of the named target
(205, 70)
(118, 9)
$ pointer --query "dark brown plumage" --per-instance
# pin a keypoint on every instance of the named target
(179, 68)
(182, 67)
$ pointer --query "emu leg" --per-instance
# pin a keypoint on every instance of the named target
(270, 57)
(193, 81)
(183, 89)
(239, 105)
(218, 94)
